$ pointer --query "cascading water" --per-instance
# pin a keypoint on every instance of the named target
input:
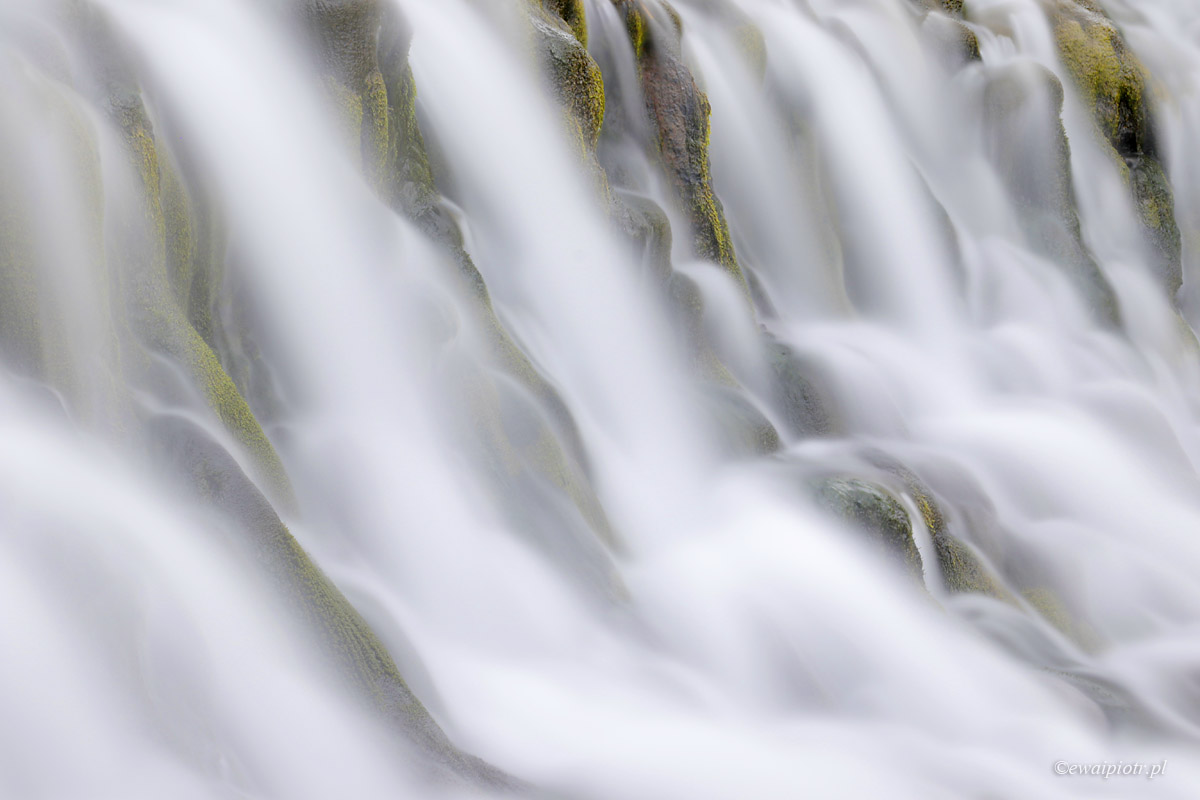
(413, 399)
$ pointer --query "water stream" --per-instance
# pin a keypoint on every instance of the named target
(569, 536)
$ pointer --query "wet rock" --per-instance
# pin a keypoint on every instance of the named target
(346, 33)
(409, 186)
(958, 41)
(876, 512)
(572, 13)
(679, 114)
(1154, 201)
(963, 572)
(649, 230)
(805, 408)
(1112, 82)
(573, 74)
(153, 243)
(350, 643)
(744, 430)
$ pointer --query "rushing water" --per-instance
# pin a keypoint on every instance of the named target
(731, 641)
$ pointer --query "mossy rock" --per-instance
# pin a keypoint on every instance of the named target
(957, 41)
(21, 338)
(1047, 603)
(806, 408)
(743, 430)
(156, 320)
(686, 302)
(1154, 201)
(1051, 608)
(1109, 76)
(963, 571)
(679, 114)
(648, 230)
(872, 509)
(39, 330)
(409, 187)
(346, 35)
(1112, 82)
(572, 13)
(573, 75)
(546, 497)
(348, 640)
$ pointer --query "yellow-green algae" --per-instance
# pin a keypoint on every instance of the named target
(574, 76)
(160, 320)
(345, 33)
(572, 13)
(177, 217)
(1112, 82)
(680, 114)
(963, 572)
(309, 593)
(161, 323)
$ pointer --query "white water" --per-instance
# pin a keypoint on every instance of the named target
(762, 652)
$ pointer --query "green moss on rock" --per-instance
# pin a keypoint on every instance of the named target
(354, 648)
(409, 188)
(177, 219)
(346, 35)
(876, 512)
(679, 113)
(572, 13)
(963, 572)
(1108, 75)
(1112, 82)
(1154, 201)
(160, 321)
(1050, 607)
(574, 77)
(374, 129)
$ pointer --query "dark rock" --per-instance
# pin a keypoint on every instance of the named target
(876, 512)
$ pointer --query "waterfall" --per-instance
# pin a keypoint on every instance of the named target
(599, 398)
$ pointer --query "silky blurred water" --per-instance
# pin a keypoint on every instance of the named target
(755, 648)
